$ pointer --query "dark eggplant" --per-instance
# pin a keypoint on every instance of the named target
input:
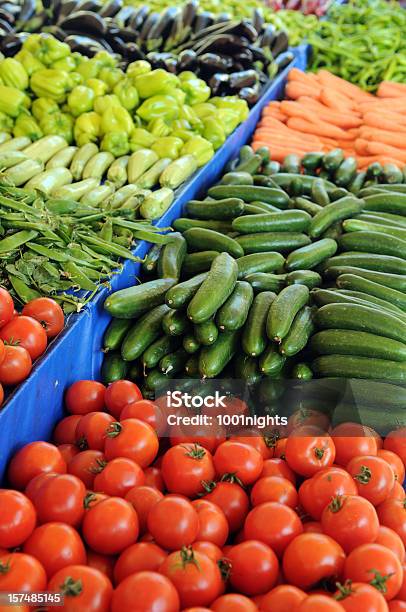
(284, 59)
(214, 29)
(268, 36)
(203, 20)
(171, 65)
(6, 16)
(86, 22)
(9, 7)
(137, 20)
(187, 60)
(223, 43)
(280, 44)
(239, 80)
(27, 11)
(189, 13)
(250, 94)
(246, 30)
(214, 62)
(67, 7)
(118, 45)
(259, 55)
(55, 31)
(12, 43)
(134, 53)
(150, 21)
(124, 15)
(4, 25)
(158, 59)
(111, 8)
(86, 44)
(223, 17)
(91, 5)
(219, 83)
(126, 34)
(161, 29)
(258, 20)
(244, 59)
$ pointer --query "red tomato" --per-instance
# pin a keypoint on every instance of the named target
(92, 499)
(282, 598)
(352, 440)
(16, 365)
(36, 483)
(147, 411)
(17, 518)
(395, 441)
(145, 591)
(64, 432)
(133, 439)
(68, 451)
(60, 498)
(241, 460)
(377, 565)
(274, 488)
(254, 567)
(359, 596)
(119, 394)
(103, 563)
(307, 452)
(396, 605)
(388, 538)
(196, 578)
(312, 527)
(232, 602)
(110, 526)
(33, 459)
(208, 436)
(85, 589)
(173, 522)
(308, 417)
(86, 465)
(209, 549)
(55, 545)
(233, 501)
(402, 592)
(140, 557)
(319, 603)
(25, 332)
(193, 462)
(311, 557)
(351, 520)
(278, 467)
(21, 573)
(317, 492)
(273, 524)
(48, 313)
(118, 477)
(253, 438)
(143, 498)
(392, 513)
(395, 462)
(6, 307)
(213, 526)
(397, 492)
(90, 432)
(85, 396)
(153, 478)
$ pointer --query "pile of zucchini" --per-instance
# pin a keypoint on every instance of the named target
(280, 272)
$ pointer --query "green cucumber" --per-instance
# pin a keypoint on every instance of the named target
(302, 371)
(194, 263)
(254, 339)
(215, 289)
(246, 369)
(356, 225)
(135, 373)
(304, 277)
(250, 193)
(234, 312)
(259, 262)
(113, 368)
(173, 363)
(312, 161)
(291, 163)
(306, 205)
(250, 165)
(392, 174)
(387, 202)
(213, 359)
(206, 333)
(157, 381)
(363, 344)
(310, 256)
(199, 239)
(395, 281)
(372, 299)
(115, 333)
(175, 323)
(270, 168)
(357, 183)
(283, 242)
(219, 210)
(284, 221)
(319, 193)
(237, 178)
(182, 224)
(271, 361)
(373, 242)
(192, 366)
(265, 208)
(261, 281)
(145, 331)
(343, 208)
(285, 179)
(345, 172)
(130, 303)
(369, 261)
(358, 283)
(374, 170)
(361, 318)
(190, 344)
(181, 294)
(299, 333)
(284, 309)
(383, 218)
(158, 349)
(350, 366)
(344, 296)
(171, 257)
(150, 263)
(333, 159)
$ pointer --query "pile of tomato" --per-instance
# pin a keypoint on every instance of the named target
(24, 336)
(120, 515)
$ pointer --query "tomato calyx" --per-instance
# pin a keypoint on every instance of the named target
(11, 342)
(197, 452)
(88, 499)
(379, 582)
(231, 477)
(71, 588)
(336, 504)
(345, 590)
(364, 475)
(319, 452)
(225, 568)
(82, 443)
(114, 430)
(5, 567)
(271, 440)
(99, 467)
(187, 557)
(208, 486)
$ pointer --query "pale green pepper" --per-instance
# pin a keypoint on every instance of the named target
(229, 119)
(26, 125)
(155, 82)
(30, 63)
(141, 139)
(196, 90)
(116, 119)
(90, 69)
(159, 128)
(162, 106)
(204, 109)
(87, 128)
(13, 101)
(182, 129)
(13, 74)
(213, 132)
(111, 76)
(6, 123)
(200, 148)
(127, 93)
(59, 124)
(137, 68)
(232, 103)
(49, 83)
(102, 103)
(98, 86)
(43, 106)
(106, 59)
(69, 64)
(80, 100)
(168, 146)
(116, 143)
(46, 48)
(188, 114)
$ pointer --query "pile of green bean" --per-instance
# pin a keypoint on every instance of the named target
(49, 247)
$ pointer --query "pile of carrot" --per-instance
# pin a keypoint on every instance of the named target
(325, 112)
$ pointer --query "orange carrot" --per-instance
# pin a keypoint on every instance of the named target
(296, 109)
(321, 128)
(377, 148)
(319, 105)
(327, 79)
(278, 153)
(382, 104)
(390, 138)
(389, 89)
(269, 121)
(336, 100)
(291, 138)
(375, 120)
(364, 162)
(295, 89)
(361, 146)
(308, 78)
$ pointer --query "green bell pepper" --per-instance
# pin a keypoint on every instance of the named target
(13, 74)
(6, 123)
(200, 148)
(30, 63)
(80, 100)
(229, 119)
(127, 93)
(116, 119)
(182, 129)
(213, 132)
(162, 106)
(43, 106)
(141, 139)
(116, 143)
(12, 101)
(26, 125)
(46, 48)
(102, 103)
(60, 124)
(89, 69)
(188, 114)
(159, 128)
(98, 86)
(155, 82)
(232, 103)
(196, 90)
(49, 83)
(168, 146)
(106, 59)
(69, 64)
(137, 68)
(204, 109)
(87, 128)
(111, 76)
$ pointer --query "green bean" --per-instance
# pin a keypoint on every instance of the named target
(46, 252)
(24, 293)
(10, 243)
(107, 247)
(78, 277)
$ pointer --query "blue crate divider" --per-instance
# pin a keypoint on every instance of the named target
(33, 409)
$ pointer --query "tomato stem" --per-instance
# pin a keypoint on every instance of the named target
(231, 477)
(225, 567)
(336, 504)
(197, 452)
(114, 430)
(5, 567)
(71, 588)
(187, 556)
(364, 475)
(319, 452)
(379, 582)
(345, 590)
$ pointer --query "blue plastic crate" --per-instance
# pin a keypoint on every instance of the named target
(35, 407)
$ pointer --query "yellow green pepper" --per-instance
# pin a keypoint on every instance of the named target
(116, 143)
(98, 86)
(87, 128)
(80, 100)
(162, 106)
(229, 119)
(127, 93)
(168, 146)
(28, 61)
(49, 83)
(141, 139)
(111, 76)
(188, 114)
(102, 103)
(26, 125)
(232, 103)
(13, 101)
(155, 82)
(60, 124)
(6, 123)
(43, 106)
(68, 63)
(213, 132)
(200, 148)
(89, 69)
(139, 67)
(116, 119)
(159, 128)
(46, 48)
(196, 90)
(204, 109)
(13, 74)
(182, 129)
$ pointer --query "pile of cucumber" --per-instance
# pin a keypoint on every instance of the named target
(294, 271)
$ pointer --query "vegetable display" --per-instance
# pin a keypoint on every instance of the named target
(111, 520)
